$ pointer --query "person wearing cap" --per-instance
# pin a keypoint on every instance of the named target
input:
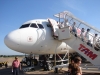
(87, 35)
(16, 66)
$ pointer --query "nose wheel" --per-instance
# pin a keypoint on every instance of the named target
(28, 63)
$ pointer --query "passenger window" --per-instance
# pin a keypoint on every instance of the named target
(40, 26)
(33, 25)
(24, 26)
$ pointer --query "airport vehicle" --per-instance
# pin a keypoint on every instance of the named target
(46, 36)
(4, 64)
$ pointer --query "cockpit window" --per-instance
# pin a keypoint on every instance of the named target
(48, 25)
(40, 26)
(24, 26)
(33, 25)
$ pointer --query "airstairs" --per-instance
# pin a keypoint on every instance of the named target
(74, 40)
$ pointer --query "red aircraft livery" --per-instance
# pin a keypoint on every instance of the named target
(87, 52)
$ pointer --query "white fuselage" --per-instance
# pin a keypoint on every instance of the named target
(35, 40)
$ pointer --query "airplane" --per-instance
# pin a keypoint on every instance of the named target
(45, 36)
(35, 36)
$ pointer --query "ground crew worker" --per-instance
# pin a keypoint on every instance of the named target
(16, 66)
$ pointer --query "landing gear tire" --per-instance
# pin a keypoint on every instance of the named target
(28, 63)
(41, 64)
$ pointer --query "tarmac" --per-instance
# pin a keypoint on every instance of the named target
(39, 70)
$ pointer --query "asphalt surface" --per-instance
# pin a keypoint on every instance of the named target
(39, 71)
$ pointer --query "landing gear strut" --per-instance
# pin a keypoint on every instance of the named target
(30, 62)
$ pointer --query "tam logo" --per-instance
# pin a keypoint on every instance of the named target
(87, 52)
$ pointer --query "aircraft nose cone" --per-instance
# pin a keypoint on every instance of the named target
(12, 40)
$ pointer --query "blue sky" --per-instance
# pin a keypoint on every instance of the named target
(13, 13)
